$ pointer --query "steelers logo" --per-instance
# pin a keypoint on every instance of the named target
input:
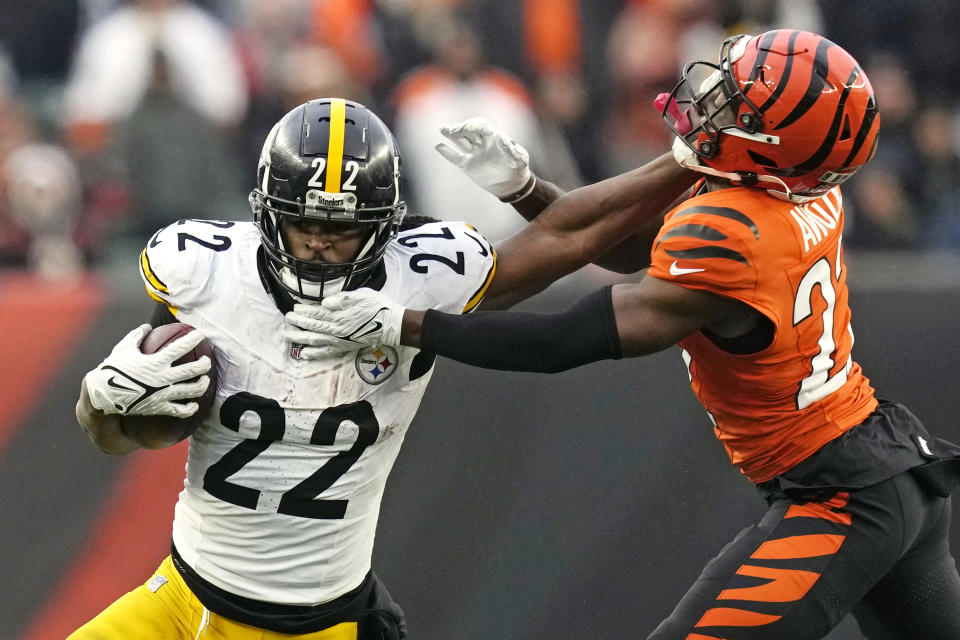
(376, 364)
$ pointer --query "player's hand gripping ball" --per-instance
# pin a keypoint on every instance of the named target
(160, 431)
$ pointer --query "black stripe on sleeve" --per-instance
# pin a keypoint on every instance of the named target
(708, 252)
(698, 231)
(723, 212)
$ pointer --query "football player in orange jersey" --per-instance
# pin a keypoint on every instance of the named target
(748, 277)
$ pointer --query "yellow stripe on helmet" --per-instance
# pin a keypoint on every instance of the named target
(338, 116)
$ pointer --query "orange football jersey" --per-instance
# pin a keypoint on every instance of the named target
(773, 408)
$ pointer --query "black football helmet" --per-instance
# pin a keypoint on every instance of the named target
(329, 160)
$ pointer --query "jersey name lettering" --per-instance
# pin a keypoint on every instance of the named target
(817, 219)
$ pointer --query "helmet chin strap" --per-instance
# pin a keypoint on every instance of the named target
(686, 158)
(786, 194)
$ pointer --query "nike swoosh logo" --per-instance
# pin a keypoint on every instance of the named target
(379, 325)
(678, 271)
(116, 385)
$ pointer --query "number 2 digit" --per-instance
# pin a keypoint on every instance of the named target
(301, 499)
(271, 428)
(819, 384)
(417, 262)
(314, 181)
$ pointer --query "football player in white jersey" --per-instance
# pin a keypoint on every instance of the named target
(273, 531)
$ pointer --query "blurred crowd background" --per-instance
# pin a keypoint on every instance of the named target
(120, 116)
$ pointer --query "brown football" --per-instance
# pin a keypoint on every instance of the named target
(158, 432)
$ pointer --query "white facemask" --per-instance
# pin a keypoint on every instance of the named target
(329, 287)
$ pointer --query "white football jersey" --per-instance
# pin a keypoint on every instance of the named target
(285, 476)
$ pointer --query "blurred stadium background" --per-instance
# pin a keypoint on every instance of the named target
(579, 505)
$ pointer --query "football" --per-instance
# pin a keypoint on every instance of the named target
(158, 432)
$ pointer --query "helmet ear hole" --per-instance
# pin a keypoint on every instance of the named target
(749, 122)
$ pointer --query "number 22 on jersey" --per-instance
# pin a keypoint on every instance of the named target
(301, 500)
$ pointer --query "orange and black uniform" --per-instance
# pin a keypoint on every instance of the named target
(858, 491)
(859, 514)
(776, 406)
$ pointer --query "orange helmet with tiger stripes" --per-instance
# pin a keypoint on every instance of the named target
(786, 111)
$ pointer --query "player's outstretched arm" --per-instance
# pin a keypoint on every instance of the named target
(623, 320)
(620, 321)
(611, 223)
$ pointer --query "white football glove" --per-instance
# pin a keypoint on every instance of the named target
(684, 155)
(487, 155)
(135, 383)
(344, 322)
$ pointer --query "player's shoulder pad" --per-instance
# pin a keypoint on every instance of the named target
(710, 241)
(446, 265)
(177, 259)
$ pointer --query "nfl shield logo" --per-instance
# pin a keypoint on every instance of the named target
(376, 364)
(295, 350)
